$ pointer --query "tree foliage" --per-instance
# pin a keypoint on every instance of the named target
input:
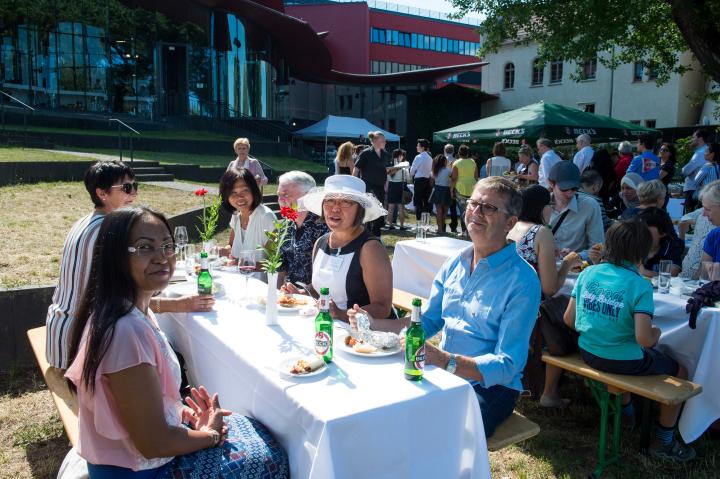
(655, 32)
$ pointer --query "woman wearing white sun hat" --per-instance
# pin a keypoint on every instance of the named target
(349, 260)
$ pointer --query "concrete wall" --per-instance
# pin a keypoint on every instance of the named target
(26, 172)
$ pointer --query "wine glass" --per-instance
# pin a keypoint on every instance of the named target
(425, 222)
(181, 238)
(247, 262)
(189, 259)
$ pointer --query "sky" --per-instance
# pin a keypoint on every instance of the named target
(438, 5)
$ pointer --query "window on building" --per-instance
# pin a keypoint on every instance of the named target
(652, 73)
(444, 44)
(391, 125)
(342, 102)
(381, 36)
(426, 42)
(395, 40)
(635, 122)
(538, 72)
(589, 70)
(556, 71)
(414, 40)
(638, 71)
(374, 35)
(650, 123)
(509, 79)
(438, 44)
(461, 47)
(432, 43)
(587, 107)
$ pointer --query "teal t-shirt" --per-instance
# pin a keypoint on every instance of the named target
(607, 297)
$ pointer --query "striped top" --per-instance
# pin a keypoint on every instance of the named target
(706, 175)
(74, 276)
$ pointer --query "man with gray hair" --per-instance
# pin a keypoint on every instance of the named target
(303, 231)
(548, 159)
(585, 152)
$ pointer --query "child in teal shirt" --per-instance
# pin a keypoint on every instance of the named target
(611, 307)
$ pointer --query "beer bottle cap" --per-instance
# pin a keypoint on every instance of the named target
(203, 254)
(417, 302)
(324, 290)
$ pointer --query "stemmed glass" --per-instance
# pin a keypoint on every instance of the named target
(425, 222)
(181, 239)
(247, 262)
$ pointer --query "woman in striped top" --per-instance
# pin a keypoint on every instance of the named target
(710, 171)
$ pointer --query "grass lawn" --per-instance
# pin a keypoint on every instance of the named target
(279, 163)
(15, 154)
(36, 218)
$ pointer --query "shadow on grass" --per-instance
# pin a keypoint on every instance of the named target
(18, 380)
(567, 445)
(46, 456)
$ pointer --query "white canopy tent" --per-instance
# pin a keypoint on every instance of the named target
(342, 127)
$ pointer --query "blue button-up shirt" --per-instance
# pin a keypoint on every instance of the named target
(488, 314)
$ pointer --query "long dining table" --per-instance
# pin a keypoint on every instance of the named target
(415, 264)
(361, 418)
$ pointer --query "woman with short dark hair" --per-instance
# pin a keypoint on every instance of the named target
(251, 219)
(131, 417)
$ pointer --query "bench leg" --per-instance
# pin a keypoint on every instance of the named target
(645, 424)
(608, 406)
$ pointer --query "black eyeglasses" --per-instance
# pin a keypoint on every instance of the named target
(486, 209)
(128, 188)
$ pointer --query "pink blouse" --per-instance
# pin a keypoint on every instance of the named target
(103, 438)
(253, 166)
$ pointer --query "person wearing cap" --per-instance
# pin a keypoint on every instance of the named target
(349, 260)
(576, 220)
(583, 157)
(628, 194)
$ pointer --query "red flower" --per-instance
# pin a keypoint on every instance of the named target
(288, 213)
(201, 192)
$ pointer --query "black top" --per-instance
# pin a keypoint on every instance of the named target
(344, 170)
(372, 168)
(670, 168)
(297, 251)
(671, 248)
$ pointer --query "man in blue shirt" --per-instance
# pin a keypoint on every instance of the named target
(699, 138)
(646, 164)
(485, 299)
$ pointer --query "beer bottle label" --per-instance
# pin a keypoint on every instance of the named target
(420, 358)
(322, 343)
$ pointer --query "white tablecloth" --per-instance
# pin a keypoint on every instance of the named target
(696, 349)
(416, 263)
(360, 419)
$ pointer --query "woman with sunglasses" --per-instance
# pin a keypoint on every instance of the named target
(131, 419)
(667, 154)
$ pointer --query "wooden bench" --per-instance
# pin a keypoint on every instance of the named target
(403, 300)
(514, 429)
(65, 400)
(661, 388)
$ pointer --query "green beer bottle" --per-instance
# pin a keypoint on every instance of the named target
(415, 345)
(324, 328)
(204, 281)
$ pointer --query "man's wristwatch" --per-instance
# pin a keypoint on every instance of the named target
(451, 365)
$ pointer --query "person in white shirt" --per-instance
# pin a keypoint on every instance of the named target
(421, 172)
(583, 157)
(244, 160)
(251, 219)
(548, 159)
(498, 165)
(692, 167)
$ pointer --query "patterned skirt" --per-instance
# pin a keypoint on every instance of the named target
(249, 451)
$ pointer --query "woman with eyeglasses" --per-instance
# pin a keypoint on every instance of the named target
(131, 418)
(349, 260)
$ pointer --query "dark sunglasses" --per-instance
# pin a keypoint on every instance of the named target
(128, 188)
(569, 189)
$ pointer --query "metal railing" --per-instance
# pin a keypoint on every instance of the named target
(25, 110)
(120, 136)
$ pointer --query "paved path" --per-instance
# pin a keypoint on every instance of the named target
(100, 156)
(180, 185)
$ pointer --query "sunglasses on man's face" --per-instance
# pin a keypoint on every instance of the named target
(569, 189)
(128, 188)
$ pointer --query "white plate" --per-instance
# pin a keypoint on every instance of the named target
(190, 288)
(310, 303)
(380, 353)
(286, 365)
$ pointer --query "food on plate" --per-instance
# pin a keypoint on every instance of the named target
(290, 301)
(350, 341)
(307, 365)
(364, 348)
(582, 266)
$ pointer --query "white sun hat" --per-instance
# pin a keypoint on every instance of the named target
(346, 187)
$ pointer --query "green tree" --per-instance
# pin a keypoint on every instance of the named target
(654, 32)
